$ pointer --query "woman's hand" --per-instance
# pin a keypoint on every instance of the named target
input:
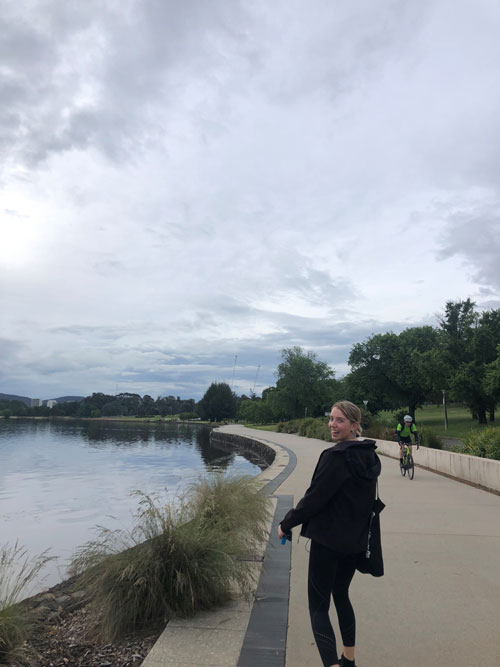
(280, 532)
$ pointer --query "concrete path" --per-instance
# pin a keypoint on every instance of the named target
(439, 602)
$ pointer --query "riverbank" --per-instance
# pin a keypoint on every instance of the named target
(61, 614)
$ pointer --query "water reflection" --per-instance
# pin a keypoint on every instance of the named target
(213, 457)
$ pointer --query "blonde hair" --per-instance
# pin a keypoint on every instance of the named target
(350, 412)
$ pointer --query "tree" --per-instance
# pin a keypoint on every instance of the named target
(273, 404)
(491, 380)
(146, 407)
(391, 370)
(457, 329)
(218, 403)
(471, 342)
(468, 386)
(248, 410)
(304, 384)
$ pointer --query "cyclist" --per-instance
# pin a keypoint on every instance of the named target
(404, 432)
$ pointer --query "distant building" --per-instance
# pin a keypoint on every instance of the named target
(36, 403)
(51, 403)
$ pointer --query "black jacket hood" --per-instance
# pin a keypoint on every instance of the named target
(361, 458)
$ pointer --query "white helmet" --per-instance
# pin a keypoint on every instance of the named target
(408, 418)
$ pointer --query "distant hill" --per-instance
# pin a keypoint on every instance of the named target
(13, 397)
(27, 399)
(67, 399)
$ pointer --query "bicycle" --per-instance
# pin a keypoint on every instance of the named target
(406, 463)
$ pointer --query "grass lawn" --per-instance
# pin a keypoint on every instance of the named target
(171, 419)
(460, 422)
(263, 427)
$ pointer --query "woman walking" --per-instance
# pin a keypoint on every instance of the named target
(335, 514)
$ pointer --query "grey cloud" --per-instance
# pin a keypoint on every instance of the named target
(322, 289)
(106, 267)
(11, 353)
(105, 332)
(317, 286)
(91, 74)
(104, 76)
(57, 364)
(474, 235)
(343, 51)
(9, 346)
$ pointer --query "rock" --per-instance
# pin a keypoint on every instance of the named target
(63, 600)
(53, 617)
(40, 613)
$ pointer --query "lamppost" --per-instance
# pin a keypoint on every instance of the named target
(445, 410)
(365, 420)
(234, 368)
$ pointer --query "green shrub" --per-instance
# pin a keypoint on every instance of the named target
(484, 443)
(17, 574)
(291, 426)
(179, 559)
(310, 427)
(367, 419)
(427, 438)
(457, 449)
(319, 430)
(188, 415)
(304, 425)
(378, 431)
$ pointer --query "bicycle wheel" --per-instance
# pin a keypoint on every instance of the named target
(411, 468)
(402, 467)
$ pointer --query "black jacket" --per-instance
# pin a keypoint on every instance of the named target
(336, 507)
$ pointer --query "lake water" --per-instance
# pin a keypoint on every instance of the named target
(60, 479)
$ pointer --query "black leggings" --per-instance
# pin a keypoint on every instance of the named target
(330, 573)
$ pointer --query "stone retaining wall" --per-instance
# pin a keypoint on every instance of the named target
(239, 443)
(484, 473)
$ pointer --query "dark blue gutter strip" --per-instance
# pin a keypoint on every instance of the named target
(265, 639)
(275, 483)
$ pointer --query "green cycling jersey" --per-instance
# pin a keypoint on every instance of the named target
(405, 431)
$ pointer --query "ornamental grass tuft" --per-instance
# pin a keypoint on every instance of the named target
(179, 558)
(17, 573)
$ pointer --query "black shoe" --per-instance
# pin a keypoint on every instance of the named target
(344, 662)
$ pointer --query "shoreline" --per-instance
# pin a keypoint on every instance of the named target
(127, 420)
(59, 612)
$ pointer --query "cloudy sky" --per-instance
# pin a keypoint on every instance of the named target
(188, 187)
